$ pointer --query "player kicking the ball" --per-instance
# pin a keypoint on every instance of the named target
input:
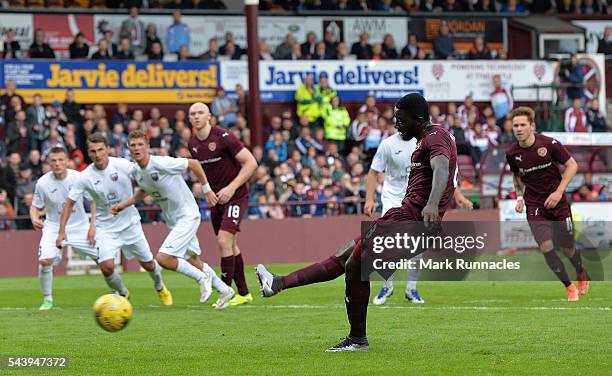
(533, 159)
(49, 196)
(429, 192)
(107, 182)
(393, 156)
(229, 166)
(161, 178)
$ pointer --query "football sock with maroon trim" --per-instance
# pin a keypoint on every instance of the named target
(326, 270)
(239, 277)
(556, 265)
(227, 269)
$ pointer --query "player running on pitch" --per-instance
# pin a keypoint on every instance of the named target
(161, 178)
(107, 182)
(229, 166)
(533, 159)
(393, 156)
(429, 192)
(49, 196)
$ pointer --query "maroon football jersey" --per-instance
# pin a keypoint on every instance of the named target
(436, 141)
(217, 154)
(538, 167)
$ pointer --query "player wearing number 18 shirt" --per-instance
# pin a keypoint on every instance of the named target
(228, 166)
(534, 160)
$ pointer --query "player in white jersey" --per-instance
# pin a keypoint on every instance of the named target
(161, 178)
(393, 156)
(49, 196)
(108, 182)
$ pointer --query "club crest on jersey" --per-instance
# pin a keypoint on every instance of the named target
(212, 146)
(518, 157)
(195, 149)
(418, 145)
(542, 151)
(114, 176)
(111, 196)
(155, 176)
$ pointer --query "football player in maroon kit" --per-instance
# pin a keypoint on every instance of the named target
(228, 166)
(429, 192)
(534, 160)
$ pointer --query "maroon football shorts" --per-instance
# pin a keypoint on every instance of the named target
(227, 217)
(552, 224)
(404, 213)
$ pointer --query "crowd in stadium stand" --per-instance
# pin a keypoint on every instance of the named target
(436, 6)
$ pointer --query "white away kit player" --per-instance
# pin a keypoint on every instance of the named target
(161, 178)
(108, 182)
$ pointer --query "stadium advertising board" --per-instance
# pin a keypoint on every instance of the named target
(514, 229)
(463, 32)
(114, 81)
(592, 223)
(388, 80)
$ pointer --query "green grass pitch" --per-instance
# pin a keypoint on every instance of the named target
(465, 328)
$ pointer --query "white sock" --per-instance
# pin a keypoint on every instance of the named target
(189, 270)
(413, 274)
(115, 282)
(45, 274)
(388, 283)
(217, 283)
(156, 276)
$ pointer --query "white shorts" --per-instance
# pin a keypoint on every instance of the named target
(77, 239)
(131, 241)
(182, 241)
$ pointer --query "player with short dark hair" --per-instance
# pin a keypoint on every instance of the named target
(430, 189)
(534, 160)
(229, 166)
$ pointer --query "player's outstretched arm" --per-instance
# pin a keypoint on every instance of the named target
(35, 214)
(439, 164)
(370, 203)
(195, 167)
(91, 234)
(571, 167)
(66, 212)
(248, 166)
(518, 189)
(138, 196)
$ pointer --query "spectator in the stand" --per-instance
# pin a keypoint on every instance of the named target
(461, 139)
(305, 141)
(306, 101)
(443, 43)
(331, 44)
(488, 6)
(336, 121)
(183, 54)
(264, 51)
(434, 114)
(283, 50)
(10, 92)
(112, 47)
(156, 52)
(595, 119)
(234, 49)
(430, 6)
(479, 141)
(103, 52)
(590, 7)
(19, 135)
(386, 6)
(512, 6)
(574, 74)
(309, 46)
(323, 93)
(452, 6)
(389, 51)
(479, 50)
(6, 224)
(377, 51)
(134, 29)
(39, 49)
(342, 52)
(8, 181)
(224, 108)
(320, 52)
(407, 6)
(79, 49)
(36, 112)
(73, 111)
(35, 163)
(370, 106)
(151, 38)
(298, 194)
(360, 5)
(575, 118)
(212, 53)
(24, 210)
(12, 48)
(501, 100)
(362, 49)
(178, 33)
(277, 144)
(125, 50)
(466, 108)
(507, 135)
(605, 43)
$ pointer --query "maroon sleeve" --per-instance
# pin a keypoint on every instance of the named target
(559, 152)
(189, 147)
(232, 143)
(439, 144)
